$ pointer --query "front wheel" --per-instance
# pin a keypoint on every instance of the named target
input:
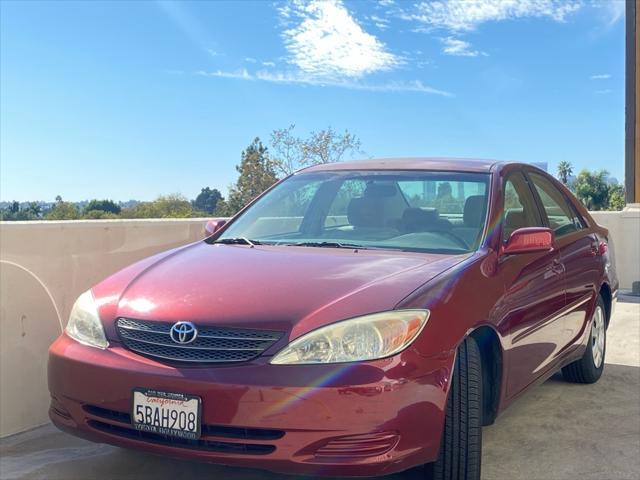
(589, 368)
(461, 447)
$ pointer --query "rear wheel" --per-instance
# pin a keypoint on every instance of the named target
(461, 447)
(589, 368)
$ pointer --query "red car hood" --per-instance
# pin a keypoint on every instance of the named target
(291, 289)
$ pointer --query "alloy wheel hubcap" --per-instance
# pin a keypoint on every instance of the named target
(597, 337)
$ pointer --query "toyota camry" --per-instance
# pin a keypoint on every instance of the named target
(358, 318)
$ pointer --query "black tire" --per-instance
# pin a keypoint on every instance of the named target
(461, 448)
(586, 370)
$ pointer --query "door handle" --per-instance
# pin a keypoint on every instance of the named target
(557, 266)
(598, 249)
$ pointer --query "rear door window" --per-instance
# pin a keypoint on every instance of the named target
(561, 216)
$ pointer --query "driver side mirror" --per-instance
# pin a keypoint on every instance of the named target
(213, 225)
(529, 240)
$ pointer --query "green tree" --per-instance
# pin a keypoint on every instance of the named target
(291, 153)
(62, 211)
(256, 175)
(207, 200)
(565, 169)
(165, 206)
(107, 206)
(222, 209)
(99, 215)
(8, 213)
(592, 189)
(33, 211)
(616, 197)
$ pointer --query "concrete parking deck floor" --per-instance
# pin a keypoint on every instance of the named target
(557, 431)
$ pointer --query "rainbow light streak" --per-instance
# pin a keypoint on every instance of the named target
(305, 393)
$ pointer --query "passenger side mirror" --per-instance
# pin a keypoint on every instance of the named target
(529, 240)
(213, 225)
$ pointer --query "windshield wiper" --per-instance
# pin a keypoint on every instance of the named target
(328, 244)
(238, 241)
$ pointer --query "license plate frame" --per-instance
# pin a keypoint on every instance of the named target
(161, 402)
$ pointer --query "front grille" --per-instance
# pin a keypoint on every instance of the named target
(212, 345)
(206, 430)
(201, 444)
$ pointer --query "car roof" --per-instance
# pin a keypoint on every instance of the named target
(419, 163)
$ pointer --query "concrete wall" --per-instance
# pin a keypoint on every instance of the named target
(624, 228)
(44, 266)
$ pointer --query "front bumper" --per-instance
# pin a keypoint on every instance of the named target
(370, 418)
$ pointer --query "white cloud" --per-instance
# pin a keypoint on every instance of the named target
(269, 64)
(415, 86)
(326, 41)
(250, 60)
(460, 48)
(603, 92)
(381, 23)
(602, 76)
(239, 74)
(466, 15)
(285, 10)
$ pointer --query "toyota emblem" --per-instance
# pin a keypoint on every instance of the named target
(183, 332)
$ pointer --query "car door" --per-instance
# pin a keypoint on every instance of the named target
(534, 292)
(577, 248)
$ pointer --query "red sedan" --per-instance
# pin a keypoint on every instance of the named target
(358, 318)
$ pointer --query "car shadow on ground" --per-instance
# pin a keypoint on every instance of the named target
(558, 430)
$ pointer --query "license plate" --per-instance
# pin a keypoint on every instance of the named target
(166, 413)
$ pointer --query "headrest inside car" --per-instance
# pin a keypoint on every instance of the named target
(379, 190)
(473, 211)
(364, 212)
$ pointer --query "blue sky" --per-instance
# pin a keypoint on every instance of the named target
(135, 99)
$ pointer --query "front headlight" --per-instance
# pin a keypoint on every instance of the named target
(84, 323)
(369, 337)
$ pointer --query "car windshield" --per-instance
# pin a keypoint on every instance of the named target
(441, 212)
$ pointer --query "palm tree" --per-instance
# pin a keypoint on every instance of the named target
(565, 169)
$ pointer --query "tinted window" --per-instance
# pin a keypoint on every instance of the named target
(448, 197)
(520, 210)
(407, 210)
(338, 214)
(562, 217)
(283, 211)
(459, 204)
